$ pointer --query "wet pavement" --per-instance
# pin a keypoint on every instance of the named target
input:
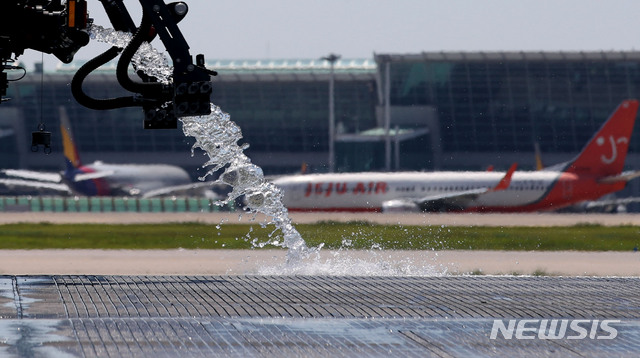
(314, 316)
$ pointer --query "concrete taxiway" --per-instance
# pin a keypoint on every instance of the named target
(311, 316)
(325, 262)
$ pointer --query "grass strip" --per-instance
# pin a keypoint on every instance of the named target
(334, 235)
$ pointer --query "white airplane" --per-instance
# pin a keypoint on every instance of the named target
(595, 172)
(100, 179)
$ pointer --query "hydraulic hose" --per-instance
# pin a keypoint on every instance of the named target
(93, 103)
(151, 90)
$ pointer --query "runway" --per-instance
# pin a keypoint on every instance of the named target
(308, 316)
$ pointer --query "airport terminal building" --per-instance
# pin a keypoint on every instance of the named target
(423, 111)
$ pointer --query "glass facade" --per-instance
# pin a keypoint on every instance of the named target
(281, 107)
(504, 102)
(293, 116)
(95, 131)
(481, 103)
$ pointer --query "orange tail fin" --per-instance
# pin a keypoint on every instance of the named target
(506, 180)
(605, 153)
(71, 156)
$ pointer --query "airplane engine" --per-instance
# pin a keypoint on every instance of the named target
(400, 206)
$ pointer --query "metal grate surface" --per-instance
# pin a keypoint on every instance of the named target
(167, 316)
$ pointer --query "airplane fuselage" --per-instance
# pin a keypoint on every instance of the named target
(128, 179)
(528, 191)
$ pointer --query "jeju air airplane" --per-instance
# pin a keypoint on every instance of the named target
(101, 179)
(595, 172)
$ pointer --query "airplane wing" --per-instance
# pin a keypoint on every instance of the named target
(30, 184)
(32, 175)
(94, 175)
(456, 200)
(52, 177)
(442, 202)
(450, 201)
(611, 202)
(196, 188)
(624, 176)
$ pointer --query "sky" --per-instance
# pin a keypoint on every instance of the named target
(307, 29)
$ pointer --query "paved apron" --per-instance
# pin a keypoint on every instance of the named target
(306, 316)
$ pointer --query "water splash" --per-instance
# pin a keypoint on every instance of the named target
(219, 138)
(373, 262)
(147, 58)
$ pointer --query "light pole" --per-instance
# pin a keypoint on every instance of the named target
(332, 58)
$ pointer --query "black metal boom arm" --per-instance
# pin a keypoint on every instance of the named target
(61, 28)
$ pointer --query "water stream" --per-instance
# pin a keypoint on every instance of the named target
(219, 137)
